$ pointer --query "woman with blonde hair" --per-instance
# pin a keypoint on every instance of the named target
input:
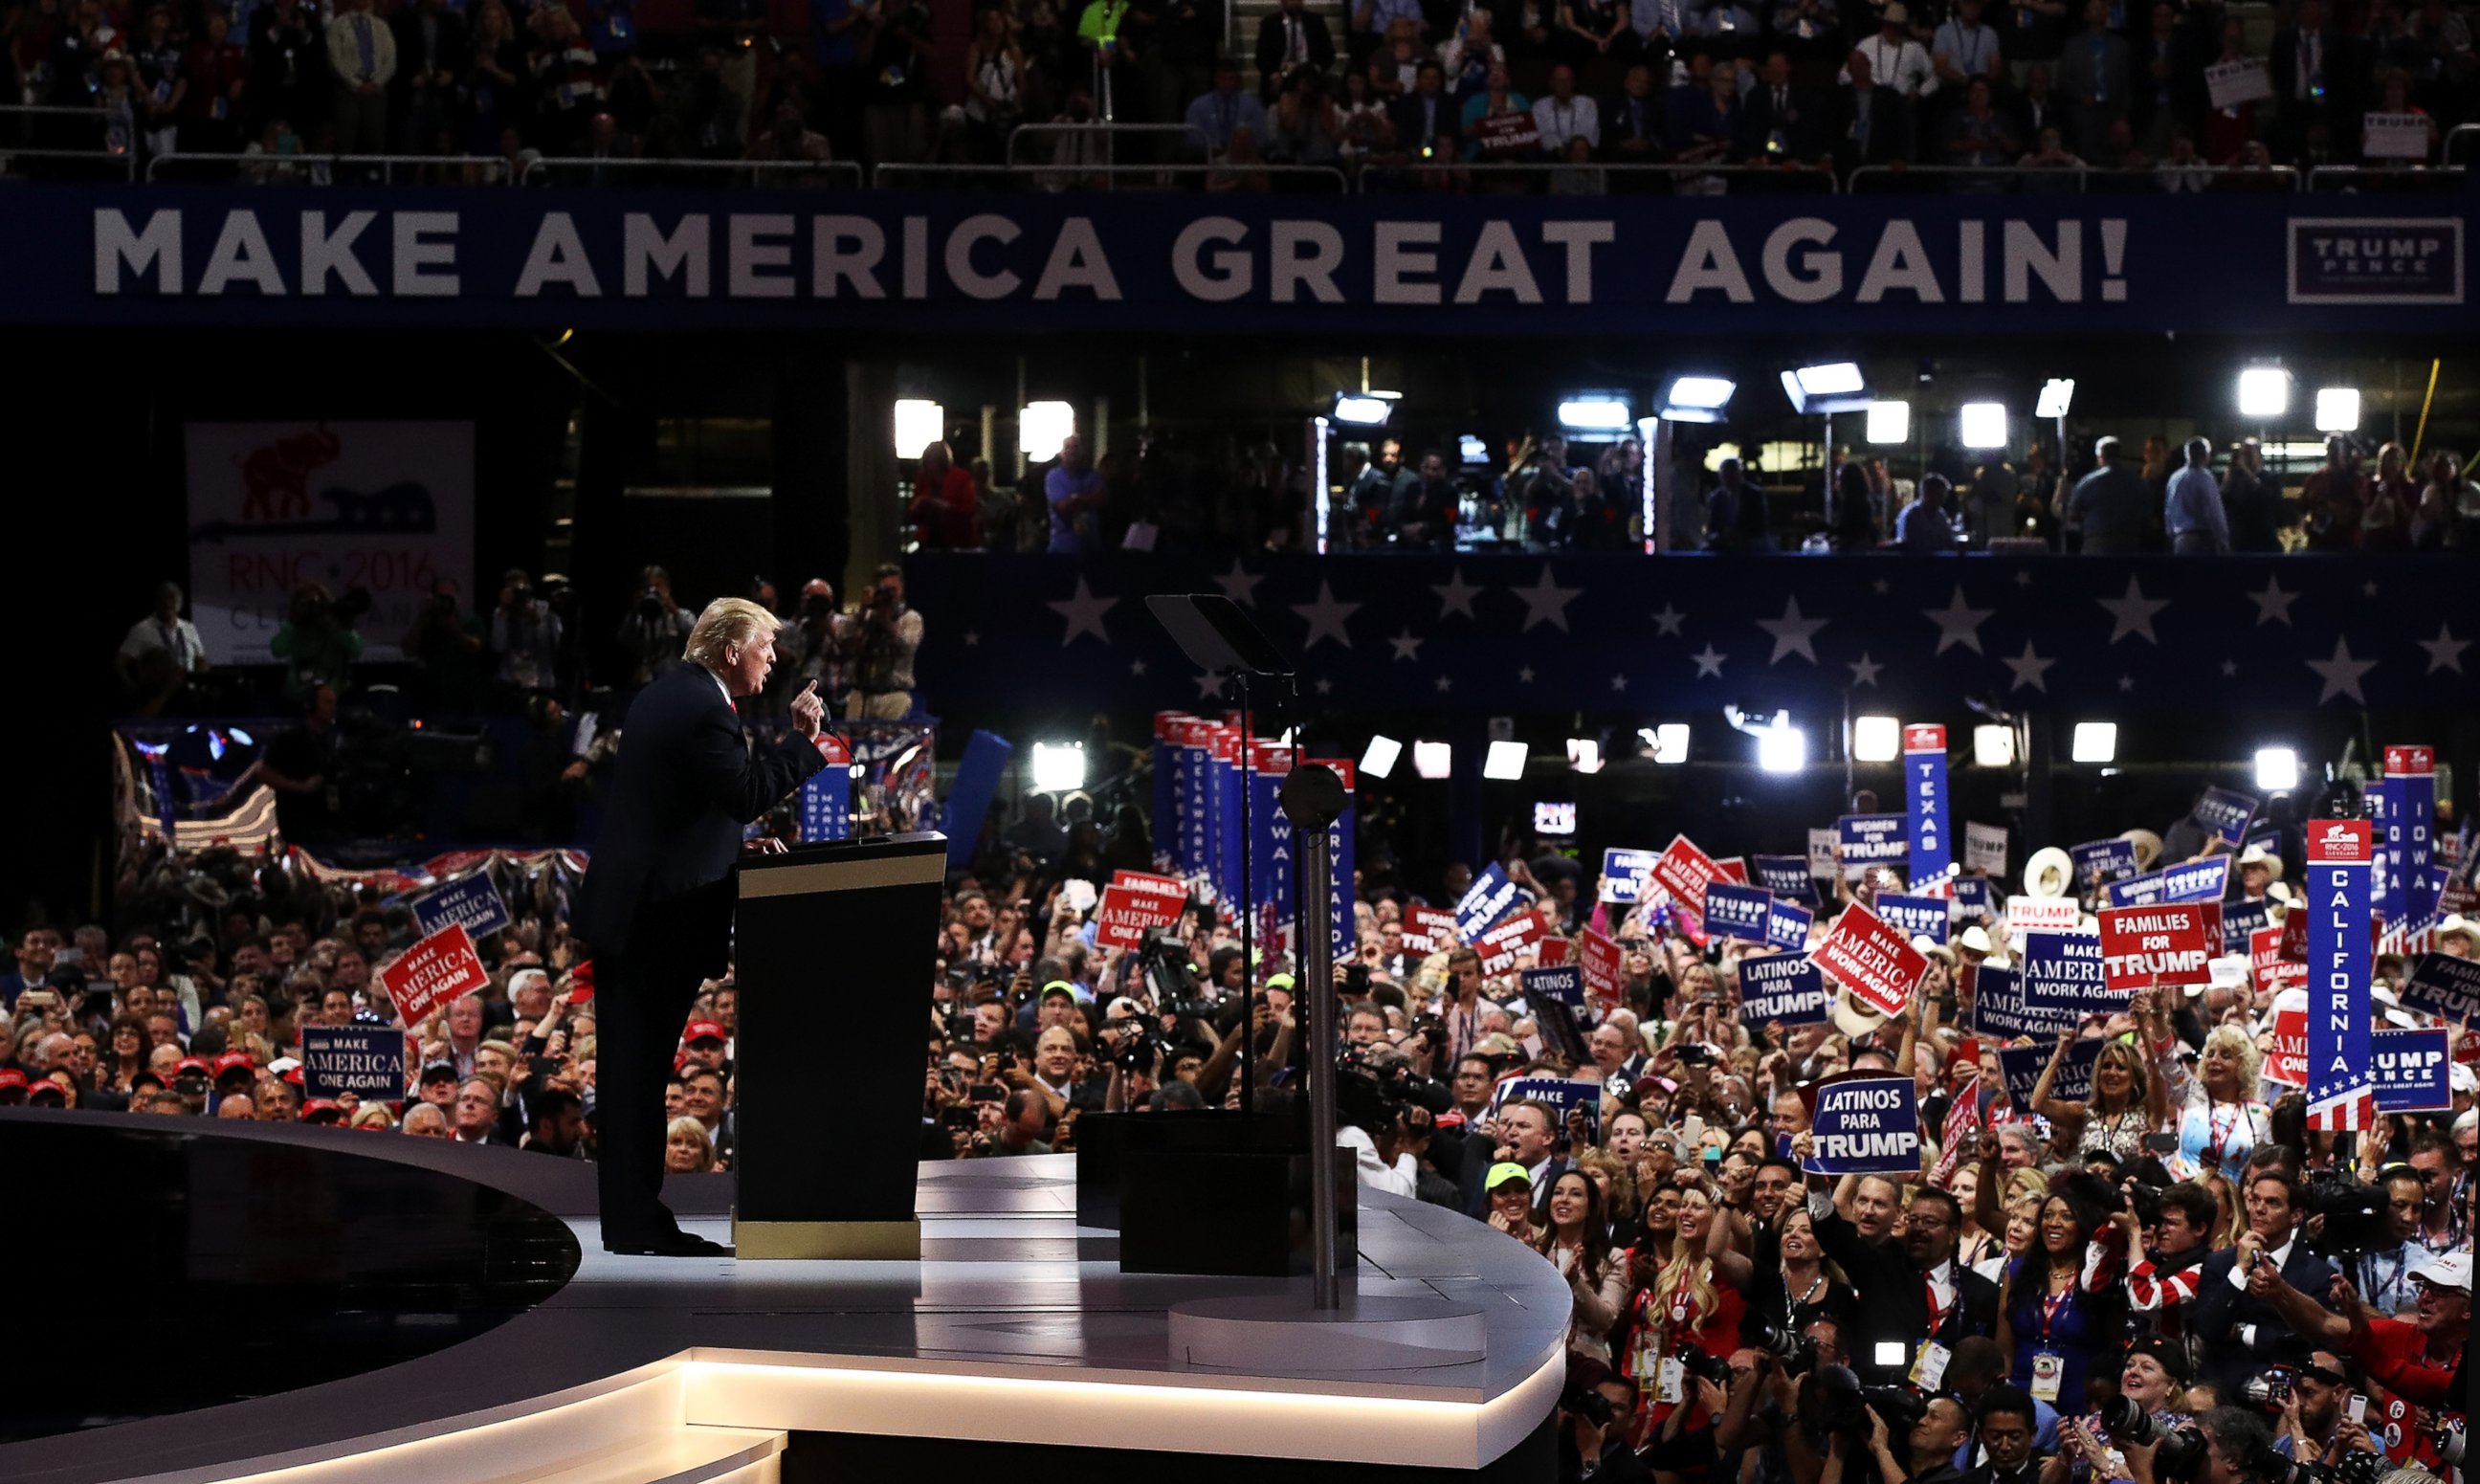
(2125, 1106)
(374, 1116)
(687, 1148)
(1693, 1296)
(1617, 1183)
(2220, 1119)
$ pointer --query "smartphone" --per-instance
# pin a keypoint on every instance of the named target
(985, 1092)
(1691, 1131)
(2359, 1408)
(958, 1118)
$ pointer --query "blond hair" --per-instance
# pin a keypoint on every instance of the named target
(726, 621)
(2242, 1046)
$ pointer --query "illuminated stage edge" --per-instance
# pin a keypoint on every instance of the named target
(1015, 1342)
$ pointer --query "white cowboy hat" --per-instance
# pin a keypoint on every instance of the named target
(2258, 855)
(1974, 939)
(2457, 925)
(1852, 1017)
(2049, 872)
(2148, 846)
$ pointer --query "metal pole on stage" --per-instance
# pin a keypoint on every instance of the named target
(1313, 801)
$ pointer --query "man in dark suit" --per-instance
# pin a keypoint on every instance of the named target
(1528, 1134)
(1895, 1320)
(1966, 1303)
(1873, 125)
(2240, 1333)
(656, 904)
(1289, 38)
(431, 60)
(1779, 122)
(1426, 116)
(2313, 68)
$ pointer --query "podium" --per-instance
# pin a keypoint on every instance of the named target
(840, 923)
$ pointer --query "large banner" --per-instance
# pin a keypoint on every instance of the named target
(2341, 1090)
(352, 257)
(385, 508)
(1925, 801)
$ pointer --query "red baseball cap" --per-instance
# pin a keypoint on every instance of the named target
(234, 1061)
(703, 1030)
(187, 1062)
(44, 1084)
(323, 1110)
(11, 1077)
(294, 1077)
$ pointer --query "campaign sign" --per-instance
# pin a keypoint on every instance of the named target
(2286, 1063)
(1872, 958)
(1130, 909)
(2240, 920)
(1600, 965)
(431, 972)
(1561, 1094)
(2413, 837)
(2174, 944)
(1427, 930)
(1784, 987)
(472, 903)
(1490, 896)
(2341, 1091)
(1785, 876)
(2414, 1070)
(1734, 867)
(2103, 860)
(1925, 799)
(1623, 874)
(1970, 902)
(1685, 871)
(1787, 925)
(1553, 951)
(2203, 880)
(2042, 914)
(2388, 891)
(1955, 1139)
(1984, 849)
(1867, 1126)
(1822, 846)
(366, 1062)
(1564, 984)
(826, 804)
(1997, 1007)
(1502, 945)
(2272, 970)
(2444, 985)
(2024, 1065)
(1916, 917)
(2063, 974)
(1734, 911)
(2225, 813)
(1871, 840)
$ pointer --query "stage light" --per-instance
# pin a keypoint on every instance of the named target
(2264, 392)
(1041, 426)
(1782, 749)
(2096, 741)
(1835, 387)
(1471, 451)
(2277, 769)
(1503, 762)
(1890, 421)
(1877, 739)
(1365, 409)
(1379, 759)
(1585, 754)
(2338, 409)
(1668, 742)
(1697, 399)
(1993, 744)
(1985, 425)
(2057, 394)
(1058, 767)
(919, 424)
(1596, 413)
(1433, 759)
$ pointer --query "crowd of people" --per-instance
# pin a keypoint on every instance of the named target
(262, 90)
(1547, 494)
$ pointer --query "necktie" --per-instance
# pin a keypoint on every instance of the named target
(1782, 103)
(1295, 49)
(362, 45)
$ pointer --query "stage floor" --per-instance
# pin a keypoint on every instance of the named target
(1014, 1326)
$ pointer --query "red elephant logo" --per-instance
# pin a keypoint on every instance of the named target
(277, 475)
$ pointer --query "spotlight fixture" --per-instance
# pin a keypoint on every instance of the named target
(1596, 413)
(1585, 754)
(1379, 759)
(2264, 392)
(1890, 423)
(2338, 409)
(2277, 769)
(1365, 409)
(1697, 398)
(2096, 741)
(1983, 424)
(919, 424)
(1877, 739)
(2057, 394)
(1993, 744)
(1041, 426)
(1433, 759)
(1782, 747)
(1668, 742)
(1503, 762)
(1058, 767)
(1835, 387)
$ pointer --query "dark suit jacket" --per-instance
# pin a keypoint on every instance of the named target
(1619, 126)
(453, 54)
(1802, 125)
(1270, 45)
(1889, 127)
(1477, 1164)
(1405, 113)
(687, 781)
(1894, 1299)
(2283, 60)
(2218, 1313)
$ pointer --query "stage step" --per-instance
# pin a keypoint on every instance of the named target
(683, 1454)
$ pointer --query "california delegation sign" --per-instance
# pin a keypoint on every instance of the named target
(2342, 1087)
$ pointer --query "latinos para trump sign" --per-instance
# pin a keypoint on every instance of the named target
(1867, 1126)
(385, 508)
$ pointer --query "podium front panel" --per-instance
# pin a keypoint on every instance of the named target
(830, 944)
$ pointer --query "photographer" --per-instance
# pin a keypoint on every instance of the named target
(655, 634)
(446, 648)
(1386, 1139)
(2233, 1440)
(2315, 1428)
(303, 765)
(879, 642)
(814, 644)
(2187, 1214)
(1593, 1412)
(526, 634)
(318, 642)
(1927, 1457)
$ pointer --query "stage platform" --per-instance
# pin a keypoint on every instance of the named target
(218, 1300)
